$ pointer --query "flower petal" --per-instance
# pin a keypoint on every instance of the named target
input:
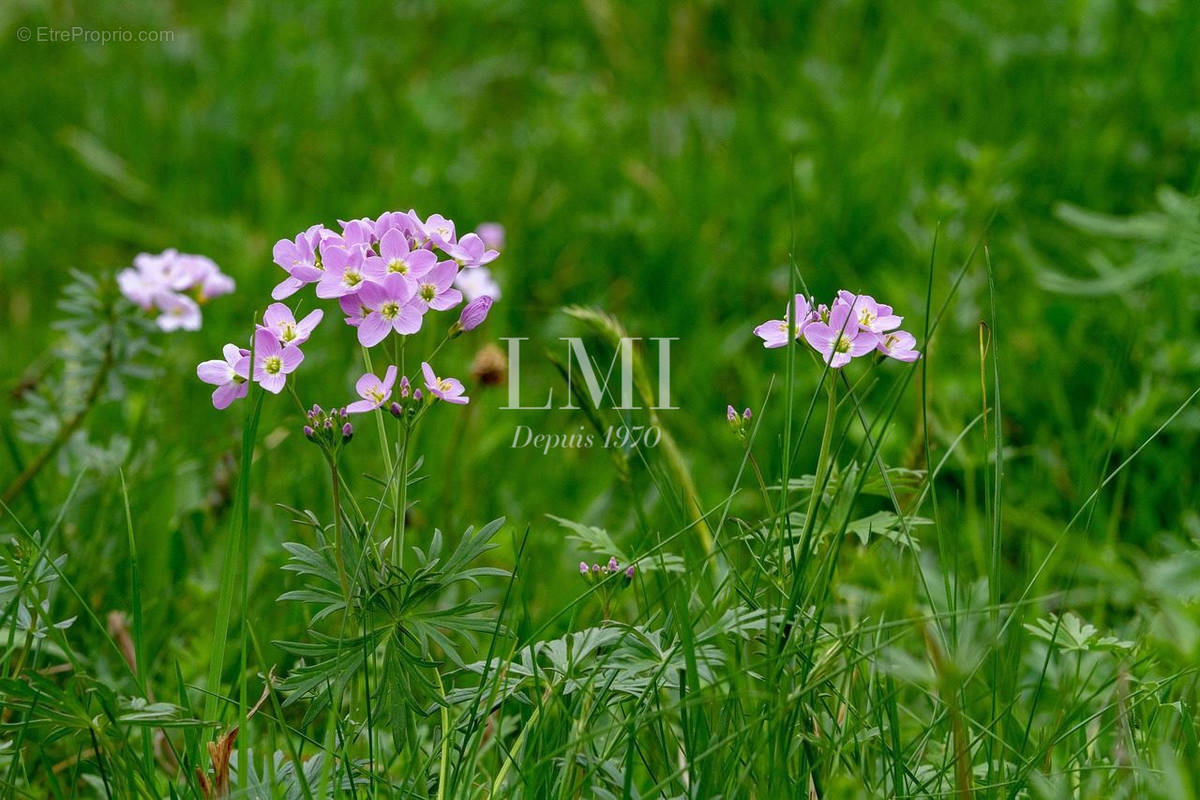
(373, 329)
(272, 383)
(223, 396)
(216, 372)
(266, 343)
(291, 358)
(276, 314)
(365, 384)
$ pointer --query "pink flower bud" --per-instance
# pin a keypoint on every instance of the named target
(583, 568)
(475, 312)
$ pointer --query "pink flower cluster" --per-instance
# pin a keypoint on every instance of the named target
(274, 360)
(387, 273)
(598, 572)
(173, 284)
(853, 326)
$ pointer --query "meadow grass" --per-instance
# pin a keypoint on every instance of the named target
(970, 576)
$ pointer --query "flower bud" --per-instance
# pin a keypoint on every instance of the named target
(629, 573)
(396, 410)
(612, 564)
(417, 396)
(309, 432)
(474, 313)
(731, 413)
(347, 432)
(583, 568)
(746, 415)
(404, 386)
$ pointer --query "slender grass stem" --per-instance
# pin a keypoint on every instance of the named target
(385, 451)
(444, 766)
(402, 500)
(823, 467)
(339, 551)
(232, 562)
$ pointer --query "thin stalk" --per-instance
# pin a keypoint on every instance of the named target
(383, 439)
(820, 476)
(402, 501)
(445, 764)
(516, 748)
(237, 537)
(762, 484)
(337, 530)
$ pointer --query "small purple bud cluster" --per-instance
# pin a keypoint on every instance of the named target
(407, 402)
(598, 573)
(737, 421)
(331, 429)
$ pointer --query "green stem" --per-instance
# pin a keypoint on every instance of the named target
(383, 446)
(762, 483)
(232, 562)
(819, 477)
(516, 748)
(445, 765)
(337, 531)
(402, 502)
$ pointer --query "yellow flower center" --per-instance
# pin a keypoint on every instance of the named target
(272, 365)
(398, 265)
(389, 310)
(428, 292)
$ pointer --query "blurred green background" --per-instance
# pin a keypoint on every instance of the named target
(661, 161)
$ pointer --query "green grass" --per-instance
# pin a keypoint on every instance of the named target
(666, 164)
